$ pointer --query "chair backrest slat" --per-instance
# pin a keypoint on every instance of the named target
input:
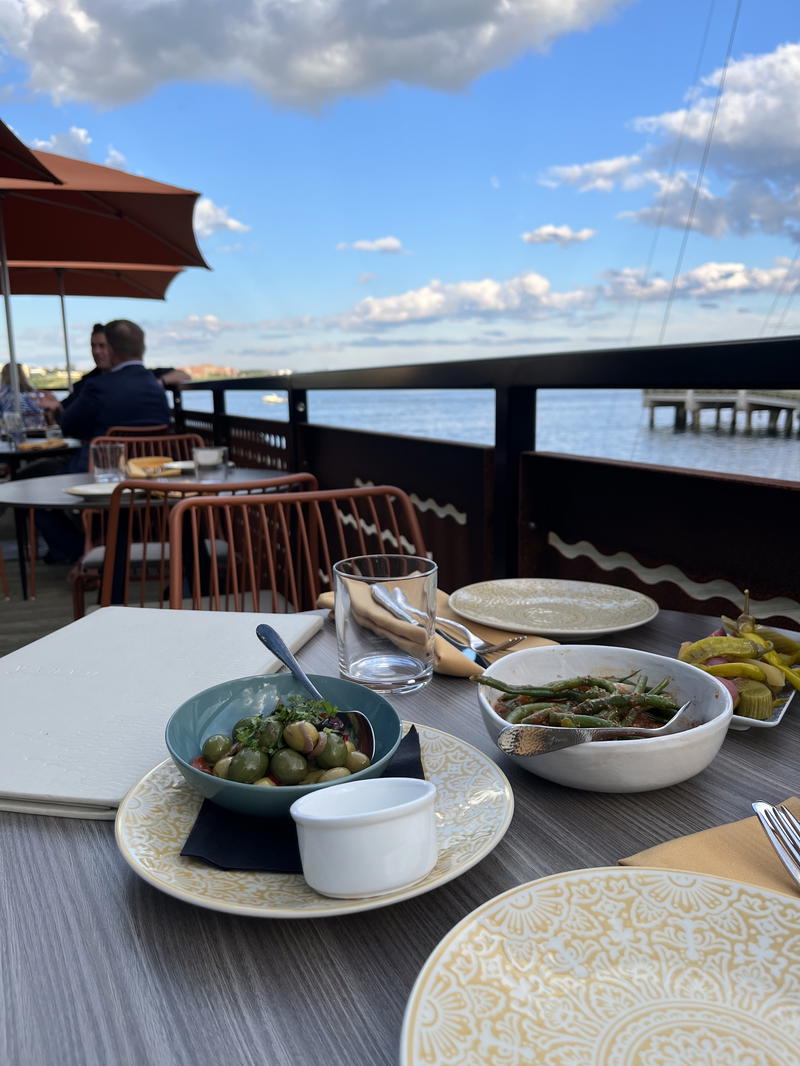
(284, 543)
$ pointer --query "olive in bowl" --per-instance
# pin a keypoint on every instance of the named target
(212, 714)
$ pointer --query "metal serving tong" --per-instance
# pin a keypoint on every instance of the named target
(783, 832)
(541, 739)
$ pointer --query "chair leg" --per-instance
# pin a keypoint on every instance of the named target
(78, 582)
(33, 551)
(4, 577)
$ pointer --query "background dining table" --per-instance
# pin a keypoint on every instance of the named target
(100, 967)
(50, 493)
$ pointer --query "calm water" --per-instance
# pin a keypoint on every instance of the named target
(606, 423)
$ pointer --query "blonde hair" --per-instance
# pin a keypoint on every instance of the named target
(22, 377)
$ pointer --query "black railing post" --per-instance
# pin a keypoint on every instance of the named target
(515, 432)
(220, 418)
(298, 416)
(177, 409)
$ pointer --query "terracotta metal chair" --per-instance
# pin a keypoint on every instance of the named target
(137, 431)
(175, 445)
(132, 565)
(276, 552)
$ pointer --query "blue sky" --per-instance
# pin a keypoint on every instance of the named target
(395, 181)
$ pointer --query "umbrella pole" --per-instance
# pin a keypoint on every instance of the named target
(6, 283)
(64, 328)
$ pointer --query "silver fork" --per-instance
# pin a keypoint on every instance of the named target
(483, 647)
(783, 831)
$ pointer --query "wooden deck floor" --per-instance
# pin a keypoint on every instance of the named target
(23, 621)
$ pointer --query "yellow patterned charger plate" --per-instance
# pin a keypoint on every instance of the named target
(618, 966)
(474, 805)
(552, 607)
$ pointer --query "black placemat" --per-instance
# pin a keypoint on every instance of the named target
(232, 841)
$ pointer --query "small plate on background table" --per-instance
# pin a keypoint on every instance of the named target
(617, 965)
(741, 722)
(92, 489)
(474, 805)
(552, 607)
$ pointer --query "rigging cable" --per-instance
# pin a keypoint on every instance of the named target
(778, 294)
(670, 175)
(700, 174)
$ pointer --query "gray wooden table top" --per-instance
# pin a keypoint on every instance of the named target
(100, 968)
(49, 492)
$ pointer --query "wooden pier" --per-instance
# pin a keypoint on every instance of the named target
(689, 404)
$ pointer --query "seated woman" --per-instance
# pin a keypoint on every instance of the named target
(29, 398)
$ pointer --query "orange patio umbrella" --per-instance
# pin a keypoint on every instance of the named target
(118, 280)
(18, 161)
(89, 214)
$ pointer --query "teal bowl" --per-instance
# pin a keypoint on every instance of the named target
(217, 709)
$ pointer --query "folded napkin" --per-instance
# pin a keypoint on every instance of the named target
(151, 466)
(447, 659)
(739, 851)
(232, 841)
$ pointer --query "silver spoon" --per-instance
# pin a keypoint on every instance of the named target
(360, 727)
(541, 739)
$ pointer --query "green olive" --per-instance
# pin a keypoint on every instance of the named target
(334, 753)
(301, 736)
(217, 746)
(222, 766)
(269, 736)
(311, 777)
(288, 766)
(266, 782)
(247, 765)
(247, 728)
(356, 760)
(334, 774)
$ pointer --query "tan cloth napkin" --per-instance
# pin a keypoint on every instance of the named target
(447, 659)
(151, 466)
(739, 851)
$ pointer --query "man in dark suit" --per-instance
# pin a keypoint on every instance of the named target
(128, 395)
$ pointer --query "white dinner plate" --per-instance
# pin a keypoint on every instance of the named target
(180, 464)
(92, 488)
(474, 805)
(552, 607)
(618, 966)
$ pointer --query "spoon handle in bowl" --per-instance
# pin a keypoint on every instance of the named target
(271, 639)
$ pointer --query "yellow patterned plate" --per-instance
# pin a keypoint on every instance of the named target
(618, 966)
(553, 607)
(474, 805)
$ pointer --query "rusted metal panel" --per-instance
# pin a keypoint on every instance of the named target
(690, 539)
(451, 486)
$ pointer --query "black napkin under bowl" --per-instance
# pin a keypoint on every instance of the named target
(233, 841)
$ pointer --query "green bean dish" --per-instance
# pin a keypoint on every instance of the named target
(604, 702)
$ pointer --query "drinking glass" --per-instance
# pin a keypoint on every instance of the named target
(377, 649)
(14, 427)
(107, 461)
(210, 463)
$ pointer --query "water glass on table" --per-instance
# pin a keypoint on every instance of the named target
(107, 461)
(210, 463)
(14, 427)
(375, 648)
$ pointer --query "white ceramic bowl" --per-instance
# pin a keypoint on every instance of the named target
(621, 765)
(367, 837)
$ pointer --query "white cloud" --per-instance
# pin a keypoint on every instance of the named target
(74, 143)
(601, 175)
(530, 296)
(752, 178)
(298, 53)
(364, 279)
(211, 218)
(115, 158)
(386, 245)
(562, 235)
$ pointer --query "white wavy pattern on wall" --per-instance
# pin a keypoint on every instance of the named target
(386, 535)
(651, 575)
(441, 511)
